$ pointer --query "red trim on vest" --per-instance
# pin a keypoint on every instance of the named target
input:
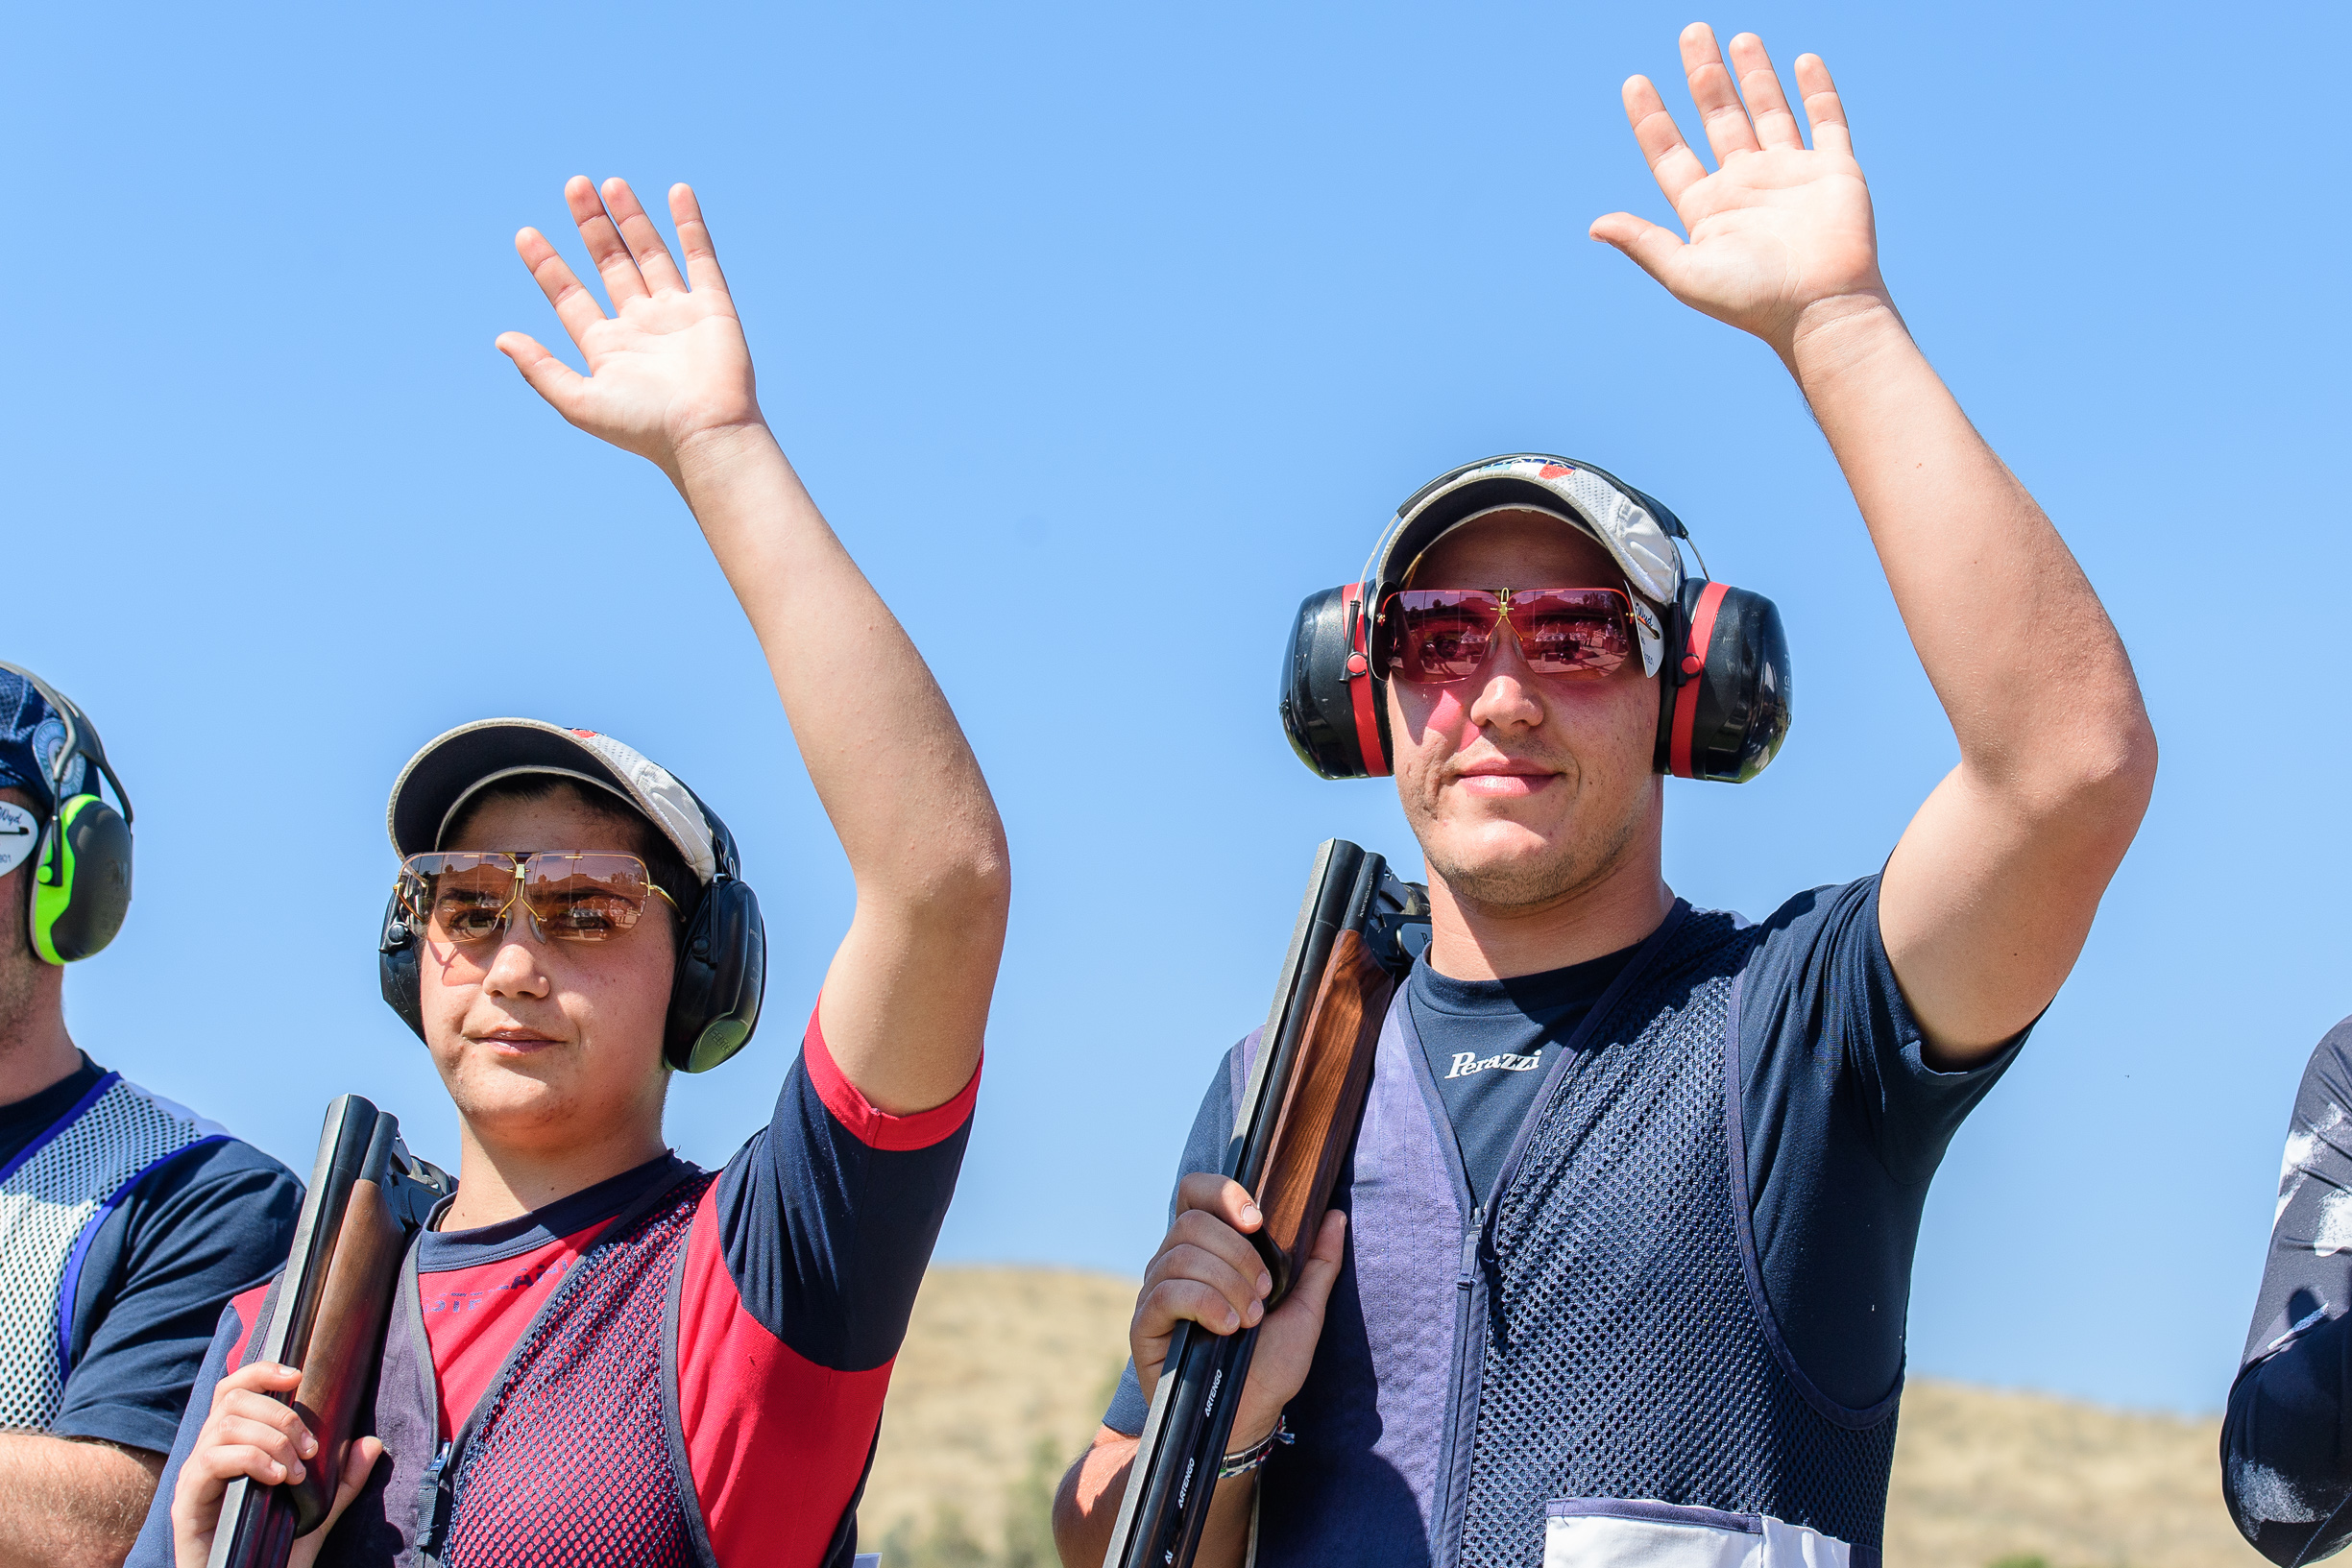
(871, 1126)
(776, 1443)
(248, 1307)
(1687, 700)
(1360, 687)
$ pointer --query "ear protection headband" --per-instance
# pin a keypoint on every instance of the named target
(79, 889)
(1723, 689)
(714, 991)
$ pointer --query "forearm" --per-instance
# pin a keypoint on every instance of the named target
(65, 1503)
(1087, 1510)
(2029, 669)
(883, 748)
(891, 767)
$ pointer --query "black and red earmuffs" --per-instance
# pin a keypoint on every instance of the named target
(1723, 682)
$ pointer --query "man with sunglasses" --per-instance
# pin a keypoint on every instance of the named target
(127, 1222)
(1619, 1267)
(598, 1353)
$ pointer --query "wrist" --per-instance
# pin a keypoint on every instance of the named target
(1832, 337)
(713, 450)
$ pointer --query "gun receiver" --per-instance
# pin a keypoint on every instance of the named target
(368, 1196)
(1296, 1120)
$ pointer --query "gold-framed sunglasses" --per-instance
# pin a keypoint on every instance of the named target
(468, 896)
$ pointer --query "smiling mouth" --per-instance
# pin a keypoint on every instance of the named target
(515, 1040)
(1505, 784)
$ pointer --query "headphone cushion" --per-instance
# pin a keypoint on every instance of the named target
(396, 966)
(1336, 724)
(1724, 720)
(82, 883)
(721, 977)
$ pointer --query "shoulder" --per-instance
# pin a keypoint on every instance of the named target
(2327, 1077)
(218, 1202)
(219, 1172)
(1799, 944)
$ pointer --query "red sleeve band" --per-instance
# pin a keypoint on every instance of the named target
(870, 1125)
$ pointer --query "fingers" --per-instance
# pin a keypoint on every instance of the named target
(606, 249)
(549, 376)
(694, 239)
(574, 306)
(1313, 1287)
(1672, 163)
(644, 241)
(358, 1463)
(1725, 121)
(1656, 251)
(1205, 1271)
(250, 1433)
(1768, 111)
(1221, 1197)
(1823, 106)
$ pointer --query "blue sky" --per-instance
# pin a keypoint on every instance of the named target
(1144, 321)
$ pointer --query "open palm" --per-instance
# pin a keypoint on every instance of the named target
(669, 364)
(1777, 227)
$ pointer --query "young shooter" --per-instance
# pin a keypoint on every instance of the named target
(600, 1354)
(1656, 1314)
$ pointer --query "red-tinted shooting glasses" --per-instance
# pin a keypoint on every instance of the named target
(1437, 636)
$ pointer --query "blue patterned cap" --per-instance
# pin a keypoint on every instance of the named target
(31, 734)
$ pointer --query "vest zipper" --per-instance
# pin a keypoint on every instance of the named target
(433, 1500)
(1470, 1240)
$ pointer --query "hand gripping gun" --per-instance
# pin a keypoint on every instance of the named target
(368, 1196)
(1357, 934)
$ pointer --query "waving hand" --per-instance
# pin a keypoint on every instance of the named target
(669, 367)
(1779, 227)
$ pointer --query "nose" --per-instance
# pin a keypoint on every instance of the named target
(1507, 699)
(516, 970)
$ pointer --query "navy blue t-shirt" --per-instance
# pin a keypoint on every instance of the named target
(1488, 1042)
(1845, 1122)
(212, 1221)
(2284, 1472)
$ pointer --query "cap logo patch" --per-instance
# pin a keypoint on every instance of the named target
(1554, 471)
(20, 833)
(585, 735)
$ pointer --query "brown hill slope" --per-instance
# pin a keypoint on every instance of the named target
(1007, 1369)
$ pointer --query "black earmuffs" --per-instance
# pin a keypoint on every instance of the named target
(1723, 685)
(715, 991)
(79, 887)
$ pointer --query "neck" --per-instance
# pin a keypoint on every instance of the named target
(1471, 940)
(497, 1180)
(36, 1050)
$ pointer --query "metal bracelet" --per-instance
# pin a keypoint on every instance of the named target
(1249, 1458)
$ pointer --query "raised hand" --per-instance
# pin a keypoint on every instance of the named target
(669, 367)
(1778, 229)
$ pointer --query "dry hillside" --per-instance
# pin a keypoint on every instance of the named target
(1005, 1370)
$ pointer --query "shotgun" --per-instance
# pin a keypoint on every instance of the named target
(368, 1196)
(1357, 934)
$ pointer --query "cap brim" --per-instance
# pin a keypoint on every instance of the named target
(450, 767)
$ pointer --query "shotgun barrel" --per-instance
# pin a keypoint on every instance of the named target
(1291, 1132)
(368, 1196)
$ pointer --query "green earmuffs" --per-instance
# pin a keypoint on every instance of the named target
(80, 884)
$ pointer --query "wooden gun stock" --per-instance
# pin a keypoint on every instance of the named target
(1296, 1123)
(367, 1197)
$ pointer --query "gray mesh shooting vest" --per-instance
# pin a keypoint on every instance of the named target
(1617, 1389)
(53, 1197)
